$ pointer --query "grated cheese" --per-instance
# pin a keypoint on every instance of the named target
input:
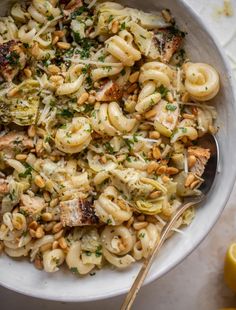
(141, 139)
(46, 26)
(96, 63)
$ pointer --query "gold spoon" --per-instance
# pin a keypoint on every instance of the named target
(207, 141)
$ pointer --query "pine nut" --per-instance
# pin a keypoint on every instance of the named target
(84, 97)
(155, 194)
(33, 225)
(55, 245)
(170, 119)
(39, 147)
(161, 170)
(130, 222)
(191, 161)
(115, 27)
(121, 158)
(54, 202)
(132, 88)
(62, 243)
(35, 50)
(13, 92)
(194, 184)
(152, 167)
(138, 117)
(63, 45)
(27, 72)
(141, 218)
(31, 131)
(172, 170)
(55, 40)
(46, 196)
(59, 33)
(103, 159)
(57, 227)
(53, 69)
(165, 179)
(169, 97)
(134, 77)
(140, 225)
(121, 204)
(156, 152)
(56, 78)
(150, 114)
(21, 156)
(39, 181)
(32, 233)
(59, 234)
(190, 178)
(49, 226)
(38, 263)
(47, 217)
(39, 232)
(91, 99)
(46, 247)
(188, 116)
(185, 97)
(154, 135)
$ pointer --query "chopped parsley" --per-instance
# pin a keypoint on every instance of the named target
(184, 129)
(66, 113)
(171, 107)
(101, 58)
(28, 171)
(50, 17)
(88, 253)
(162, 90)
(123, 26)
(98, 252)
(78, 12)
(13, 58)
(110, 18)
(123, 71)
(109, 221)
(142, 235)
(109, 148)
(74, 270)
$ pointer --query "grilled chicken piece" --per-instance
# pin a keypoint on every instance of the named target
(109, 92)
(14, 140)
(31, 205)
(165, 43)
(12, 59)
(202, 155)
(77, 212)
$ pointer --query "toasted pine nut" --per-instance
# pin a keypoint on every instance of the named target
(32, 233)
(189, 180)
(49, 226)
(154, 135)
(59, 234)
(33, 225)
(172, 170)
(140, 225)
(84, 97)
(62, 243)
(156, 152)
(35, 50)
(56, 78)
(39, 146)
(138, 117)
(185, 97)
(13, 92)
(31, 131)
(21, 156)
(46, 196)
(169, 97)
(141, 218)
(194, 184)
(27, 72)
(151, 219)
(121, 158)
(150, 114)
(145, 127)
(53, 69)
(134, 77)
(188, 116)
(170, 119)
(153, 166)
(161, 170)
(194, 110)
(130, 222)
(59, 33)
(191, 161)
(132, 88)
(38, 263)
(39, 181)
(57, 227)
(155, 194)
(47, 217)
(115, 26)
(39, 232)
(54, 202)
(46, 247)
(165, 179)
(63, 45)
(91, 99)
(121, 204)
(103, 159)
(55, 245)
(55, 40)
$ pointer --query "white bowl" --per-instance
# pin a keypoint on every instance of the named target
(22, 277)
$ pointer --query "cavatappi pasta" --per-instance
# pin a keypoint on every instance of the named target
(100, 112)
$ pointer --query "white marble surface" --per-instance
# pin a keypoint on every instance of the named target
(197, 283)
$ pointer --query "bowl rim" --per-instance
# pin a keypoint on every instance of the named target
(152, 277)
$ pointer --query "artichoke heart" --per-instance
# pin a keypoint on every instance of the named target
(148, 207)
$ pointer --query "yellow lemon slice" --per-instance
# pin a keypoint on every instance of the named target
(230, 267)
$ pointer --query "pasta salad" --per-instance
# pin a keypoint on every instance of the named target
(100, 112)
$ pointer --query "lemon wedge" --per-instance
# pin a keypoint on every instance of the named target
(230, 267)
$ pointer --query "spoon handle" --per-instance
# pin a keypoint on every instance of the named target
(148, 261)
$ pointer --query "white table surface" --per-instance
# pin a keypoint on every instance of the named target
(197, 283)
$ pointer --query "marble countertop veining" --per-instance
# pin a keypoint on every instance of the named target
(197, 283)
